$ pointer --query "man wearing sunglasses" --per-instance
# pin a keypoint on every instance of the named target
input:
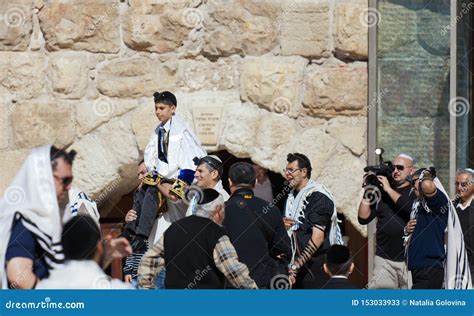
(391, 205)
(465, 209)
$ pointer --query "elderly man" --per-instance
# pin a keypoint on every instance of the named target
(196, 251)
(392, 206)
(465, 209)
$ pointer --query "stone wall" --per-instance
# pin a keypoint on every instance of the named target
(283, 76)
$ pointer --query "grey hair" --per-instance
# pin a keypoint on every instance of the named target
(207, 209)
(467, 171)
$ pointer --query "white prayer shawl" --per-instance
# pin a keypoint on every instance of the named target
(295, 207)
(32, 194)
(457, 274)
(80, 204)
(84, 274)
(183, 146)
(193, 203)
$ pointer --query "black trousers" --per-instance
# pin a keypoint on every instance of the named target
(312, 276)
(428, 278)
(145, 203)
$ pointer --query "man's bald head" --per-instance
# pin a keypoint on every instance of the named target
(403, 165)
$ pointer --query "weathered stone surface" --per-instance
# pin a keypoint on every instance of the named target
(106, 160)
(351, 39)
(342, 175)
(317, 145)
(15, 25)
(274, 133)
(158, 33)
(137, 77)
(325, 95)
(35, 123)
(93, 113)
(69, 75)
(23, 74)
(144, 122)
(6, 107)
(81, 25)
(10, 163)
(305, 28)
(273, 82)
(350, 133)
(240, 129)
(202, 74)
(241, 27)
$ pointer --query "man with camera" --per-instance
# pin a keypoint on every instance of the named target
(388, 197)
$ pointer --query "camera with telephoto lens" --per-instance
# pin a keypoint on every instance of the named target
(384, 168)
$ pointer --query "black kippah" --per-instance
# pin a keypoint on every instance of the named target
(165, 97)
(208, 195)
(338, 254)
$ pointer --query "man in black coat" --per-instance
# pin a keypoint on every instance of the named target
(255, 227)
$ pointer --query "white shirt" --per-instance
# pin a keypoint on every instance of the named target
(80, 274)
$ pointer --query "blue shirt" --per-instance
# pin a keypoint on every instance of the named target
(23, 244)
(426, 248)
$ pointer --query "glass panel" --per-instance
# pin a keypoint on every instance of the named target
(413, 38)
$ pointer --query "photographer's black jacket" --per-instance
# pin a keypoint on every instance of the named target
(391, 220)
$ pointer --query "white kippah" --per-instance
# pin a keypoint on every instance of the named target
(215, 157)
(406, 157)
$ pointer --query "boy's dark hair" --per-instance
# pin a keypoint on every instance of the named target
(80, 237)
(56, 153)
(303, 162)
(165, 97)
(338, 260)
(242, 174)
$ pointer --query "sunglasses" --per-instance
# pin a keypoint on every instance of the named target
(463, 184)
(399, 167)
(65, 181)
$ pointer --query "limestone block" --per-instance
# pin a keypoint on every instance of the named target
(305, 28)
(241, 27)
(106, 160)
(69, 75)
(336, 90)
(16, 25)
(38, 122)
(93, 113)
(351, 38)
(10, 163)
(23, 74)
(201, 74)
(350, 133)
(273, 82)
(136, 77)
(81, 25)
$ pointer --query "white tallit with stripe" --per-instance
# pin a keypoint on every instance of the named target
(31, 198)
(295, 207)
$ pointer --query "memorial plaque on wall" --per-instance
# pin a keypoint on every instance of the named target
(207, 123)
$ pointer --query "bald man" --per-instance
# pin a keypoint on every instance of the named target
(392, 207)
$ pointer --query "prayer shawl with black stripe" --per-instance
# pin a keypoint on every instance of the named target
(31, 198)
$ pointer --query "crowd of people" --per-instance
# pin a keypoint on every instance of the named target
(185, 231)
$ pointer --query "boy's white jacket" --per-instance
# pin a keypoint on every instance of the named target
(183, 146)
